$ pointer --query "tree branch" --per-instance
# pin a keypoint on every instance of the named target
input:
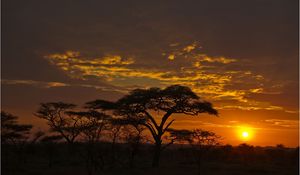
(168, 125)
(154, 135)
(151, 119)
(165, 118)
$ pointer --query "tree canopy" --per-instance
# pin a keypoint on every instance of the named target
(139, 105)
(60, 120)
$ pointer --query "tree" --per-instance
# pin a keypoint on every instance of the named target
(91, 123)
(180, 136)
(134, 138)
(139, 104)
(116, 126)
(11, 131)
(200, 140)
(59, 119)
(15, 134)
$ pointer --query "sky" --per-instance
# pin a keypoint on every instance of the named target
(240, 55)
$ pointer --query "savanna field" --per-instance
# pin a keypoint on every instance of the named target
(58, 158)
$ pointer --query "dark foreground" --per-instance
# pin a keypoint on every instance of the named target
(107, 159)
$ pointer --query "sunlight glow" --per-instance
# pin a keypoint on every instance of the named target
(245, 133)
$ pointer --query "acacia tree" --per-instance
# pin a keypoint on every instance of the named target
(128, 130)
(16, 134)
(200, 140)
(91, 123)
(134, 137)
(11, 131)
(60, 120)
(141, 103)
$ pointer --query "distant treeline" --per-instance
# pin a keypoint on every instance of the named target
(51, 157)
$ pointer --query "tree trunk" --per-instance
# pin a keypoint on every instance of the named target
(156, 156)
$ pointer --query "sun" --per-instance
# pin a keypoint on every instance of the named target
(245, 133)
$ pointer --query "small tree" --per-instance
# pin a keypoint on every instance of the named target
(60, 120)
(15, 134)
(11, 131)
(180, 136)
(134, 138)
(140, 103)
(91, 123)
(200, 140)
(132, 134)
(116, 126)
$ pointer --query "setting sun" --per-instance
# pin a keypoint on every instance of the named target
(245, 134)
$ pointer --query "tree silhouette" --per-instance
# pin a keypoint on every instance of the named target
(91, 123)
(37, 136)
(181, 136)
(139, 105)
(134, 137)
(60, 120)
(11, 131)
(200, 140)
(13, 136)
(116, 126)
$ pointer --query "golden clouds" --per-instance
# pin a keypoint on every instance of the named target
(216, 59)
(68, 57)
(171, 57)
(192, 51)
(252, 107)
(77, 66)
(257, 90)
(283, 123)
(114, 59)
(206, 75)
(179, 51)
(189, 48)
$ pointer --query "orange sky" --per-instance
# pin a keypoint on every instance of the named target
(242, 57)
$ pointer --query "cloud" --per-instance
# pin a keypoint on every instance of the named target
(189, 48)
(34, 83)
(253, 107)
(73, 57)
(171, 57)
(193, 51)
(208, 76)
(205, 58)
(43, 84)
(283, 123)
(199, 123)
